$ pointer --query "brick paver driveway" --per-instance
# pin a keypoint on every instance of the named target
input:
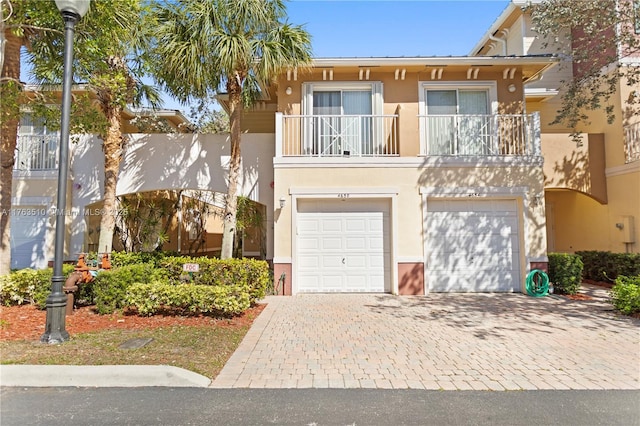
(441, 341)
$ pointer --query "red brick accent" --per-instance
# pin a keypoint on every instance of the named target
(282, 288)
(411, 279)
(542, 266)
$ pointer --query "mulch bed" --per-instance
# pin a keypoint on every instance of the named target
(27, 322)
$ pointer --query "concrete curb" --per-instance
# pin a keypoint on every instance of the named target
(99, 376)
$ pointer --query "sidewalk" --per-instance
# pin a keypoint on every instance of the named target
(99, 376)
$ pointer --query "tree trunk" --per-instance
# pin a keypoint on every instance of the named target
(112, 147)
(231, 205)
(10, 111)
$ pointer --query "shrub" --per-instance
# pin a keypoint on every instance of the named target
(110, 287)
(28, 286)
(625, 294)
(254, 274)
(121, 258)
(565, 272)
(151, 298)
(607, 266)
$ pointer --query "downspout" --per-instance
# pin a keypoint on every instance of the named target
(502, 41)
(180, 222)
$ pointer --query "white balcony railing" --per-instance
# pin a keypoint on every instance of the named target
(632, 142)
(337, 135)
(480, 135)
(36, 152)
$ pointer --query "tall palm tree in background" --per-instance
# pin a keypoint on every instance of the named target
(112, 46)
(109, 56)
(25, 23)
(204, 46)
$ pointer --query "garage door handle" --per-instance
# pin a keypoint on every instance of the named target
(343, 261)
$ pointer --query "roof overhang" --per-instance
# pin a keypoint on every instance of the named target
(532, 65)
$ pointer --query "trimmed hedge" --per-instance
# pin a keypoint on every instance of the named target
(121, 258)
(232, 281)
(151, 298)
(625, 294)
(28, 286)
(607, 266)
(565, 272)
(216, 272)
(110, 287)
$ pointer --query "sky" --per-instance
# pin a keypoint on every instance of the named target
(394, 28)
(373, 28)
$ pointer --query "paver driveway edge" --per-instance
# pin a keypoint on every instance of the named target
(441, 342)
(234, 366)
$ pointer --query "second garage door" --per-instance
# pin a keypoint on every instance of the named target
(28, 230)
(343, 246)
(472, 246)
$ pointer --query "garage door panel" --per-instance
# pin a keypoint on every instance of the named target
(331, 225)
(453, 262)
(352, 249)
(27, 239)
(472, 245)
(331, 243)
(356, 243)
(309, 262)
(355, 225)
(484, 281)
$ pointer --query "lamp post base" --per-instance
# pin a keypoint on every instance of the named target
(56, 309)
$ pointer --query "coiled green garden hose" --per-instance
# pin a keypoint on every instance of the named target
(537, 283)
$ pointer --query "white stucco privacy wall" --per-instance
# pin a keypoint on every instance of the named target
(172, 161)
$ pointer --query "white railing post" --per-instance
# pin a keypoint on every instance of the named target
(279, 134)
(535, 141)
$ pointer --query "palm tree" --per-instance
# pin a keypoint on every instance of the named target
(112, 42)
(22, 23)
(111, 32)
(233, 45)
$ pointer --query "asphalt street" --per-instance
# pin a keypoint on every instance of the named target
(206, 406)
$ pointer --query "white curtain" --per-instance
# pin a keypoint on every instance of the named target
(441, 110)
(458, 122)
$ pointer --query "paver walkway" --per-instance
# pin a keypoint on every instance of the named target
(441, 341)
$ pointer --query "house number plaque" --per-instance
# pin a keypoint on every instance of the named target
(343, 196)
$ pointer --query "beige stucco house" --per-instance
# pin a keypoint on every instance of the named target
(407, 175)
(592, 191)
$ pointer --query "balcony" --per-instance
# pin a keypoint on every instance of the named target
(337, 135)
(480, 135)
(632, 142)
(498, 135)
(36, 152)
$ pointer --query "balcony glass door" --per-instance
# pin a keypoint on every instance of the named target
(36, 146)
(342, 122)
(458, 122)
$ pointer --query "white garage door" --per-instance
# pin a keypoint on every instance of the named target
(343, 246)
(28, 230)
(472, 246)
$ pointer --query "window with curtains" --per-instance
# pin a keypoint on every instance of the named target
(457, 120)
(341, 121)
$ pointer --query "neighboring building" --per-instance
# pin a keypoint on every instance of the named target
(592, 192)
(161, 143)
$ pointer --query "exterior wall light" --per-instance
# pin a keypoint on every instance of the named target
(283, 202)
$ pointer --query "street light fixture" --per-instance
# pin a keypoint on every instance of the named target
(72, 11)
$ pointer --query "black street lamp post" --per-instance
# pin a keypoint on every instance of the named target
(72, 11)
